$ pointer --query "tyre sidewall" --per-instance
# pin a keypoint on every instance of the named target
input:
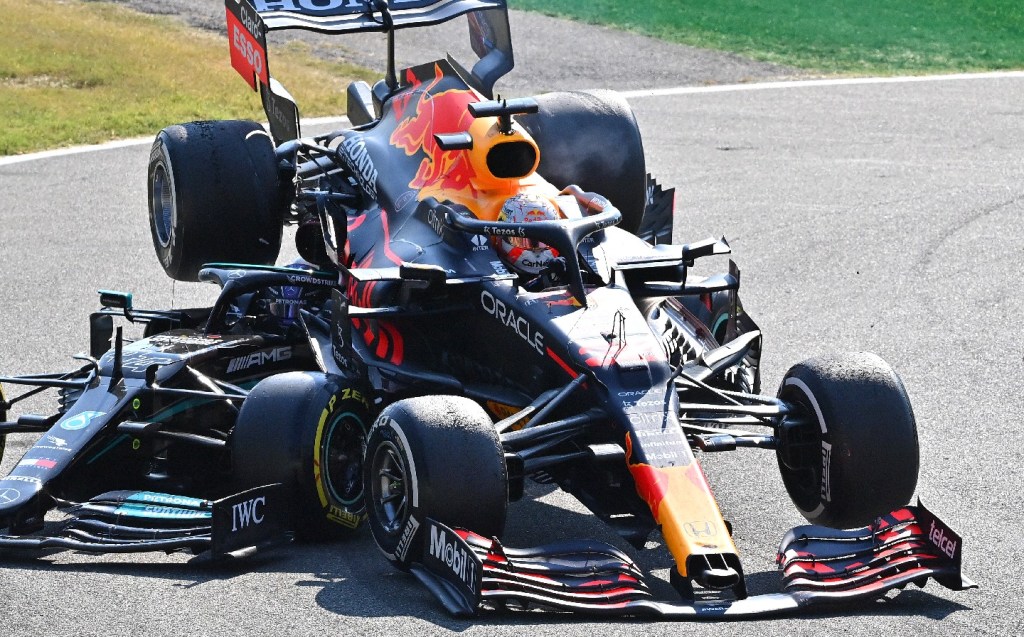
(281, 436)
(867, 436)
(169, 252)
(227, 196)
(795, 389)
(3, 418)
(457, 471)
(403, 546)
(339, 407)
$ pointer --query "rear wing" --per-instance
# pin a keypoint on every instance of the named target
(349, 16)
(247, 34)
(248, 22)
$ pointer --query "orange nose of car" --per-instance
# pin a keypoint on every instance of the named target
(691, 523)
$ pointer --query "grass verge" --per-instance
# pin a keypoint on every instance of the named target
(830, 36)
(80, 73)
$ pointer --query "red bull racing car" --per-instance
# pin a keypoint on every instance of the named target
(487, 295)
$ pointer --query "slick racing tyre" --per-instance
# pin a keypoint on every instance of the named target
(591, 139)
(214, 195)
(851, 452)
(308, 432)
(436, 457)
(3, 418)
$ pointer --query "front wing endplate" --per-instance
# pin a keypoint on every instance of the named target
(142, 521)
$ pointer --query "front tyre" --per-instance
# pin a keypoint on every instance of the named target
(214, 195)
(437, 457)
(851, 452)
(307, 431)
(3, 418)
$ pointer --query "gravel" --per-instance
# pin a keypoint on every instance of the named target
(551, 53)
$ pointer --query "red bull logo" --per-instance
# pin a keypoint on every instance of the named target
(441, 172)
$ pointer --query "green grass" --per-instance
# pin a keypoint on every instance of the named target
(78, 73)
(829, 36)
(73, 72)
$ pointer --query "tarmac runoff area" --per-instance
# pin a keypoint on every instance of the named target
(636, 94)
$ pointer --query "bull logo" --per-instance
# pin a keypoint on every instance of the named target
(440, 172)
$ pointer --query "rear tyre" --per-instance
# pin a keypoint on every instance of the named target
(3, 418)
(591, 139)
(308, 432)
(855, 456)
(437, 457)
(214, 195)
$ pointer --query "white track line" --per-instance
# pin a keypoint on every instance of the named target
(125, 143)
(657, 92)
(849, 81)
(74, 150)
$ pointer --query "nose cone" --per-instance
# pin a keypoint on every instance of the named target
(15, 493)
(722, 578)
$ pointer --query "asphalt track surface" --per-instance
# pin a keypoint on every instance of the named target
(881, 217)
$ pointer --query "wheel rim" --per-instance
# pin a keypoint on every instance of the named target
(343, 459)
(390, 487)
(163, 206)
(801, 465)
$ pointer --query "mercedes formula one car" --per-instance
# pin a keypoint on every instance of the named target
(487, 295)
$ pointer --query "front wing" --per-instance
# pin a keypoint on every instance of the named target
(470, 573)
(142, 521)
